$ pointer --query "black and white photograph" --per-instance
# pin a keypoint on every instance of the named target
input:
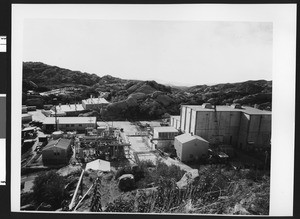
(153, 109)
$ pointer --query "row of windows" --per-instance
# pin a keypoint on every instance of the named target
(72, 125)
(167, 135)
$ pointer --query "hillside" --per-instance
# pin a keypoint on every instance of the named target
(136, 99)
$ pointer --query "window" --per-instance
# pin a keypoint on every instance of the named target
(72, 125)
(67, 125)
(80, 125)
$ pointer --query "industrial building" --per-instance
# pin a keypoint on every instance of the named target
(240, 126)
(68, 123)
(70, 109)
(175, 121)
(26, 118)
(57, 152)
(163, 136)
(190, 147)
(94, 103)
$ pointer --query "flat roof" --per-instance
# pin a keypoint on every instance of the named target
(30, 128)
(175, 117)
(165, 129)
(70, 107)
(245, 109)
(70, 120)
(60, 143)
(98, 100)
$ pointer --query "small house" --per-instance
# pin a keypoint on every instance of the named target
(190, 147)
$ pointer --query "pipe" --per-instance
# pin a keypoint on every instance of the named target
(76, 190)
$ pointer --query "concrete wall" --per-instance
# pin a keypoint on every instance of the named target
(227, 123)
(182, 117)
(175, 122)
(178, 148)
(193, 122)
(188, 116)
(255, 131)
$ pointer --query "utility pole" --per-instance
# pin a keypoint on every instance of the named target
(55, 110)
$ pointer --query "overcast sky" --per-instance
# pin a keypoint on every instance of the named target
(176, 52)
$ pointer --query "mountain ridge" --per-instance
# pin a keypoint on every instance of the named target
(140, 99)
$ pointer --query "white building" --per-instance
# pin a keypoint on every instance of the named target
(69, 123)
(94, 103)
(164, 136)
(70, 109)
(190, 147)
(175, 121)
(240, 126)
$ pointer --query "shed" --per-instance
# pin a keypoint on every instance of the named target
(98, 164)
(190, 147)
(57, 152)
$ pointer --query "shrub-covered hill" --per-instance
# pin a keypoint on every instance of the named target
(136, 99)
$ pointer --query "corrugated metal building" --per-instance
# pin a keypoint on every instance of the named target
(70, 109)
(69, 123)
(57, 152)
(94, 103)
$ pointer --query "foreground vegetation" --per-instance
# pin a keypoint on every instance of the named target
(218, 189)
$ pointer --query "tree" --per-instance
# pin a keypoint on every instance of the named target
(49, 187)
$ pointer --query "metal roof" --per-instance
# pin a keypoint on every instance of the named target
(62, 143)
(95, 101)
(70, 108)
(70, 120)
(165, 129)
(187, 137)
(98, 164)
(224, 108)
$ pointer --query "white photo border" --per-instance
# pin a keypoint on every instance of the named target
(283, 17)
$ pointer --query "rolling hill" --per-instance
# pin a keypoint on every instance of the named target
(137, 99)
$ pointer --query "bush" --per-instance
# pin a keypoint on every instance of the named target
(49, 187)
(26, 198)
(123, 170)
(169, 172)
(120, 205)
(127, 183)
